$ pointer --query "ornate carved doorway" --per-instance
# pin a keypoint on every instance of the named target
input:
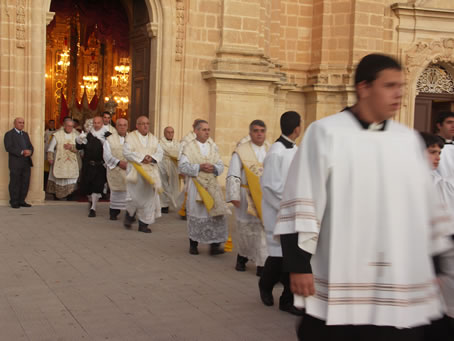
(435, 93)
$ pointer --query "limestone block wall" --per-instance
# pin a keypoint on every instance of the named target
(22, 64)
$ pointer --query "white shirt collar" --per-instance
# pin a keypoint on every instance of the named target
(289, 140)
(18, 131)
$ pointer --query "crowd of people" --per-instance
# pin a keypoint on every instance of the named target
(356, 222)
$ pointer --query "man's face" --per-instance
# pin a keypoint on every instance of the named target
(68, 126)
(446, 129)
(106, 119)
(433, 153)
(203, 132)
(168, 133)
(97, 123)
(122, 126)
(384, 95)
(51, 124)
(143, 125)
(19, 123)
(258, 135)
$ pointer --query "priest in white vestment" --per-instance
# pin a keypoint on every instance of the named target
(356, 219)
(275, 169)
(244, 192)
(143, 183)
(116, 168)
(205, 206)
(445, 127)
(444, 263)
(168, 169)
(62, 156)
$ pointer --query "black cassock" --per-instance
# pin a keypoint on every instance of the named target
(93, 176)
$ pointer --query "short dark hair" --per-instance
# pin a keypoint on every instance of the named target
(106, 112)
(75, 120)
(442, 116)
(432, 139)
(371, 65)
(259, 123)
(290, 120)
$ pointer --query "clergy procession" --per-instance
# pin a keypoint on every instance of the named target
(356, 222)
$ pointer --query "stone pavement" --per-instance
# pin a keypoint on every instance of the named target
(64, 276)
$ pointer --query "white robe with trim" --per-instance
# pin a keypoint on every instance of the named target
(363, 204)
(275, 169)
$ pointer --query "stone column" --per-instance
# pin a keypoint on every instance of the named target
(22, 70)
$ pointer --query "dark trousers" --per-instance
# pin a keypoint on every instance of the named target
(19, 181)
(271, 275)
(311, 328)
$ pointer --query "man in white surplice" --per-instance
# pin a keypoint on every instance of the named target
(444, 263)
(205, 206)
(445, 126)
(143, 183)
(107, 121)
(116, 168)
(356, 219)
(275, 169)
(246, 166)
(168, 169)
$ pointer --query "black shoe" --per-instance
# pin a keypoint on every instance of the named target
(193, 250)
(15, 205)
(127, 222)
(113, 213)
(144, 227)
(164, 210)
(24, 204)
(240, 263)
(259, 271)
(183, 217)
(92, 213)
(215, 249)
(291, 309)
(266, 297)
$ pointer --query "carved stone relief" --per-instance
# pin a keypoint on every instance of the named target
(435, 79)
(20, 24)
(180, 30)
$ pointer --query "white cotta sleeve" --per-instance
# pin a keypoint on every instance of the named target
(272, 180)
(305, 193)
(130, 155)
(233, 181)
(110, 160)
(187, 168)
(158, 154)
(52, 145)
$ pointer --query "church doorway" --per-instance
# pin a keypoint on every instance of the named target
(435, 88)
(98, 59)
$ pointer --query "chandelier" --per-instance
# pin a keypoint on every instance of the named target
(120, 84)
(63, 62)
(90, 85)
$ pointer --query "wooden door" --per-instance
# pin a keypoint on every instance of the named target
(423, 114)
(140, 52)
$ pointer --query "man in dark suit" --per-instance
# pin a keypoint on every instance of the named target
(20, 150)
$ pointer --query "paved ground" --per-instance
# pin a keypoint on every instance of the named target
(64, 276)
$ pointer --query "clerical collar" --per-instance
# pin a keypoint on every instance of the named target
(445, 140)
(366, 125)
(286, 141)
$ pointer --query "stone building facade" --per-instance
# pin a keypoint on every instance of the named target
(232, 61)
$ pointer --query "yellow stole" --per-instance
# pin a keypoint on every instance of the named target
(117, 176)
(65, 164)
(206, 183)
(253, 170)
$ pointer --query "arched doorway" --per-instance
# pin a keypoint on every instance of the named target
(99, 59)
(435, 93)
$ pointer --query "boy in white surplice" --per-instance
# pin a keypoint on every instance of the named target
(356, 218)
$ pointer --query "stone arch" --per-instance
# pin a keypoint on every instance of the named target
(155, 32)
(416, 59)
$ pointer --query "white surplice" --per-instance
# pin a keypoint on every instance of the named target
(445, 191)
(363, 204)
(62, 182)
(202, 227)
(168, 169)
(117, 198)
(142, 198)
(250, 232)
(446, 166)
(275, 169)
